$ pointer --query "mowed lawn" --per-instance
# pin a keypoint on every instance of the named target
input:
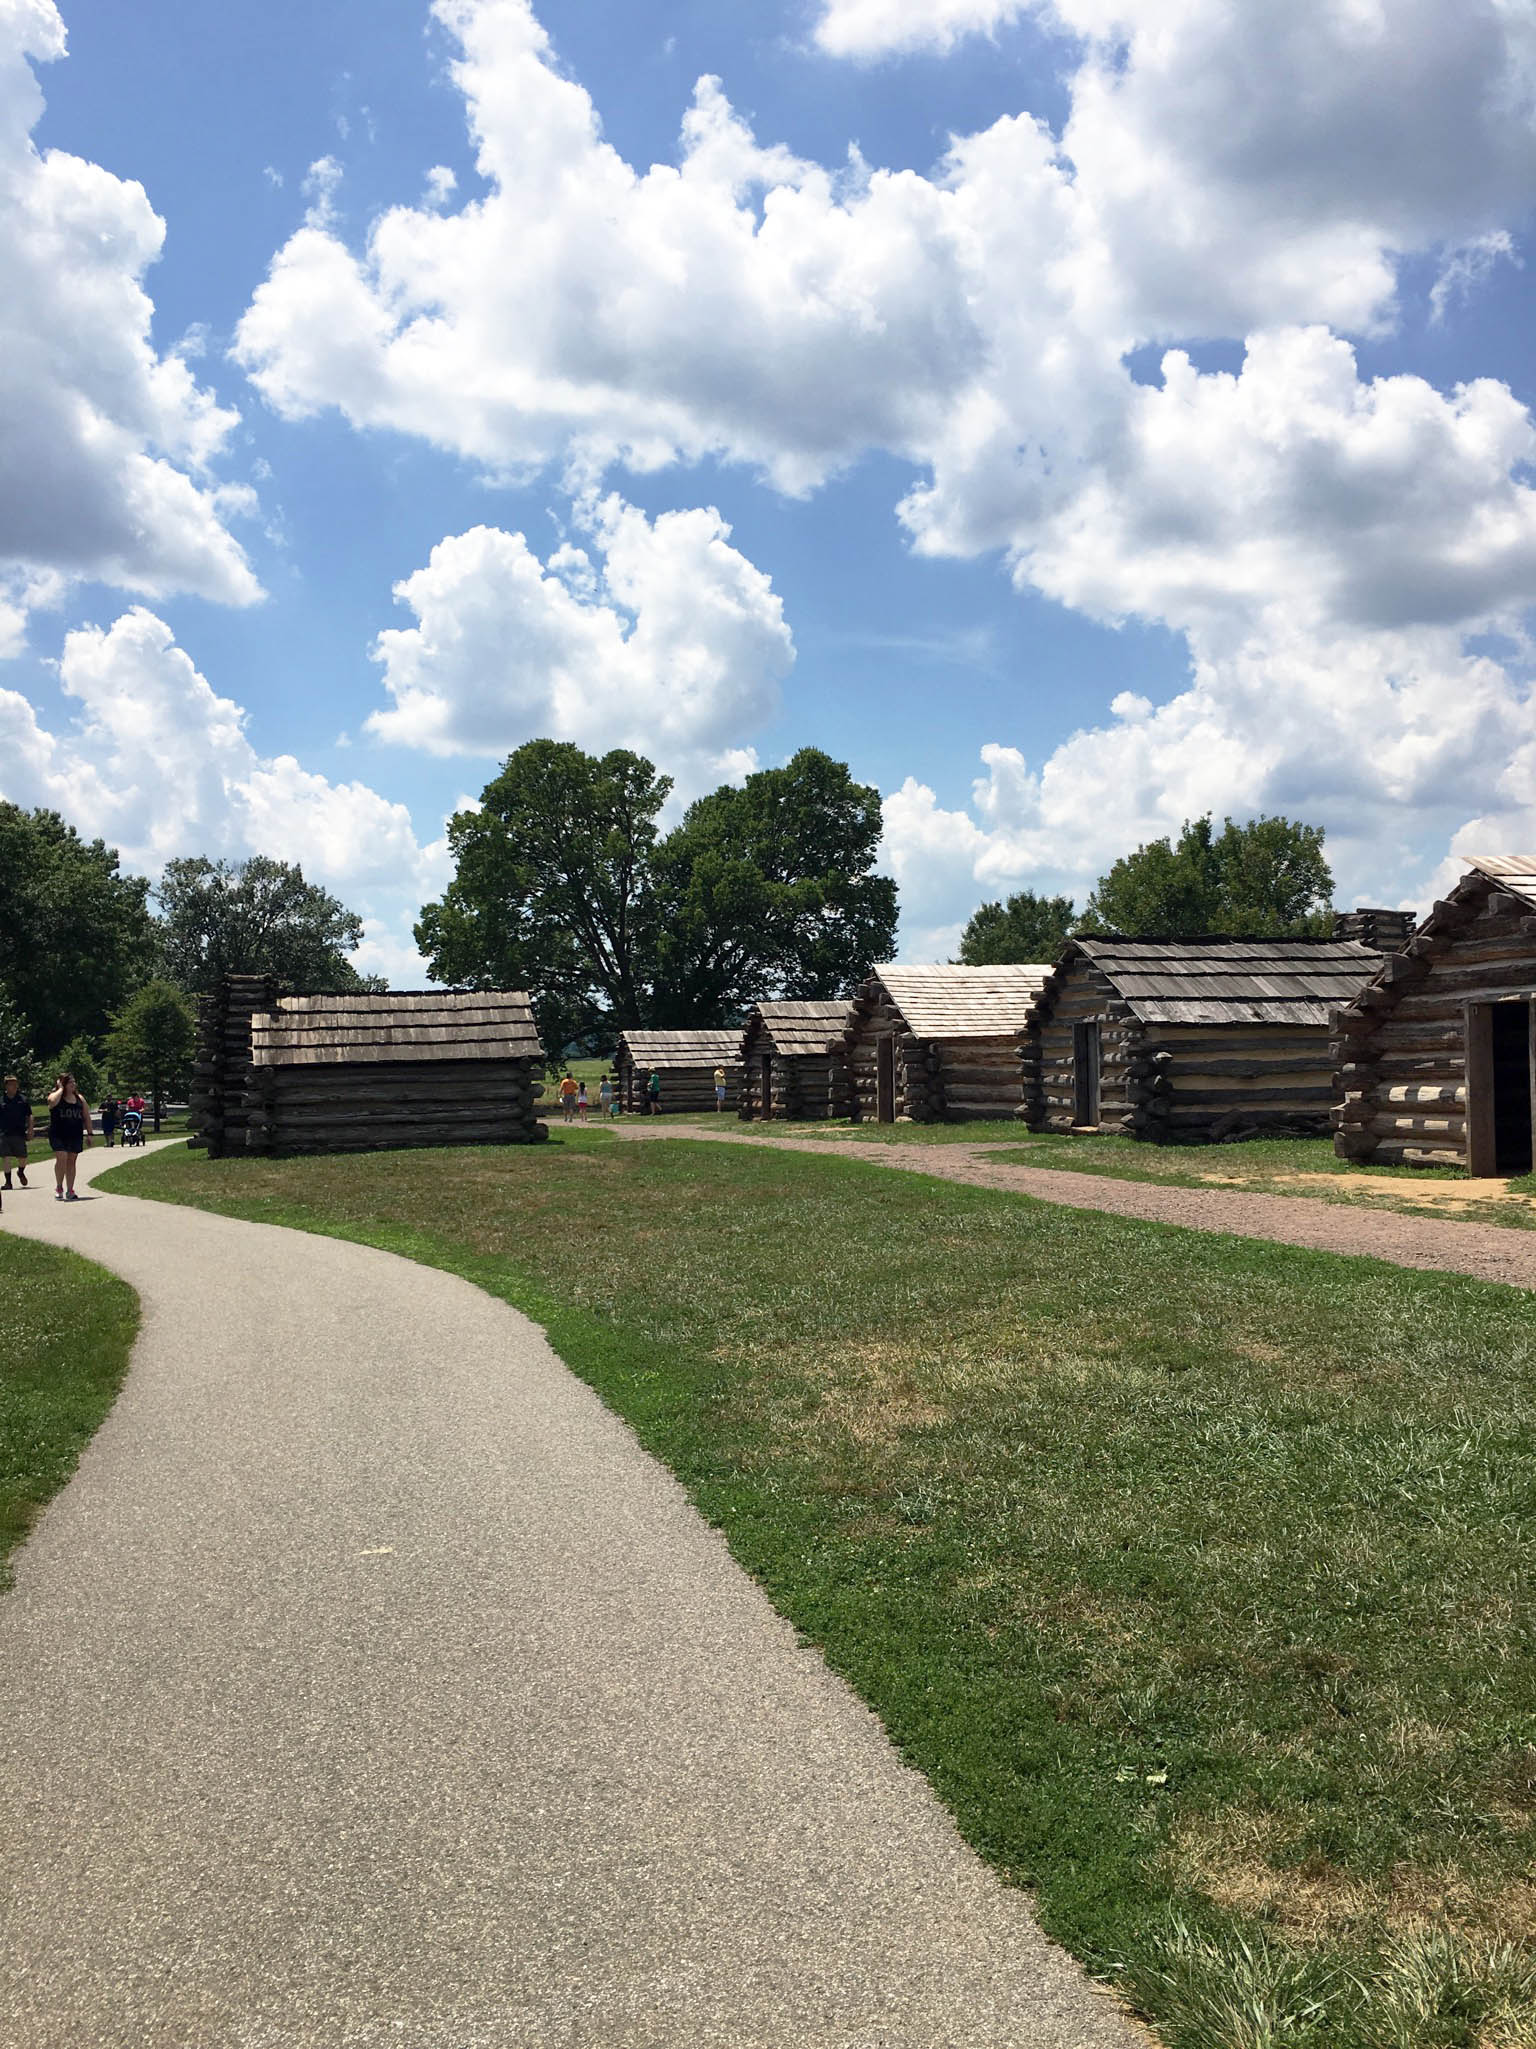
(1195, 1573)
(69, 1327)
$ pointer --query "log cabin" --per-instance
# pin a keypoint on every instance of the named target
(1437, 1055)
(939, 1044)
(793, 1060)
(368, 1072)
(1190, 1041)
(686, 1062)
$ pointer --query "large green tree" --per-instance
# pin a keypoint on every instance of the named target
(564, 886)
(1025, 928)
(770, 890)
(552, 889)
(1269, 878)
(75, 933)
(254, 917)
(151, 1042)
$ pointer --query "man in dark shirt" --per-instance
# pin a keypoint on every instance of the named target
(15, 1129)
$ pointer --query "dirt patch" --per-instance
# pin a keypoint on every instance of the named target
(1444, 1195)
(1232, 1858)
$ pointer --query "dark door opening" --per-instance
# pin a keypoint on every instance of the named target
(1085, 1074)
(1510, 1050)
(765, 1107)
(885, 1079)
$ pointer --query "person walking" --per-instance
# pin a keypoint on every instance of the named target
(568, 1096)
(109, 1113)
(581, 1101)
(15, 1129)
(653, 1094)
(719, 1088)
(605, 1096)
(69, 1129)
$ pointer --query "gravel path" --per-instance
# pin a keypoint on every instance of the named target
(368, 1685)
(1488, 1252)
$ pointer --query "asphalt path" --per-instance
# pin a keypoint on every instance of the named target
(369, 1685)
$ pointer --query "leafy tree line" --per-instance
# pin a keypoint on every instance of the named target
(566, 885)
(98, 970)
(1267, 879)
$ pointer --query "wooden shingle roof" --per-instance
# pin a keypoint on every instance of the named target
(1514, 872)
(324, 1031)
(964, 1003)
(691, 1048)
(1231, 981)
(800, 1025)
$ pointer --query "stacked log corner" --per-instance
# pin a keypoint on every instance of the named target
(1400, 1048)
(803, 1087)
(918, 1083)
(376, 1106)
(1133, 1080)
(221, 1069)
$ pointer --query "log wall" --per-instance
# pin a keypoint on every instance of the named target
(683, 1089)
(371, 1106)
(1176, 1084)
(1083, 996)
(917, 1092)
(976, 1078)
(803, 1086)
(216, 1101)
(1400, 1048)
(1199, 1084)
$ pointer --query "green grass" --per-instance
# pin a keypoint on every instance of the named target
(1193, 1571)
(69, 1327)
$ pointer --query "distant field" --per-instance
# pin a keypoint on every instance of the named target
(69, 1327)
(1193, 1571)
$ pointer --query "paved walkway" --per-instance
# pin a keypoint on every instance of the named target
(1488, 1252)
(368, 1686)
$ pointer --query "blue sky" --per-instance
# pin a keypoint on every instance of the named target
(887, 454)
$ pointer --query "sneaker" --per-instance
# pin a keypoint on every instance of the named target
(71, 1197)
(6, 1183)
(58, 1195)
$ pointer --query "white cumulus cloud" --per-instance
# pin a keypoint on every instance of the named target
(884, 28)
(1328, 543)
(160, 765)
(105, 444)
(663, 637)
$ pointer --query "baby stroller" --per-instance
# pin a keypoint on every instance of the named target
(133, 1127)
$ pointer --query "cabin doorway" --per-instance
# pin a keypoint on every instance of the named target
(1085, 1074)
(885, 1078)
(765, 1105)
(1500, 1059)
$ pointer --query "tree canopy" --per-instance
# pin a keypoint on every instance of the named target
(152, 1041)
(564, 885)
(769, 890)
(552, 888)
(1027, 927)
(253, 917)
(75, 933)
(1269, 879)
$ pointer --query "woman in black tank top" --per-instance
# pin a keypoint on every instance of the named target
(69, 1126)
